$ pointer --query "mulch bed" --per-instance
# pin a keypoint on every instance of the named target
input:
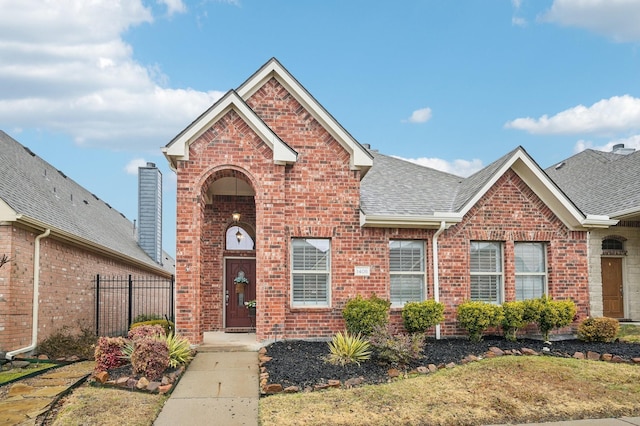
(301, 363)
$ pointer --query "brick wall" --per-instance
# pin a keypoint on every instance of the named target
(66, 289)
(318, 197)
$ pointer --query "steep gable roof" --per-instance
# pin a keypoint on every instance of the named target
(601, 183)
(178, 148)
(401, 194)
(35, 193)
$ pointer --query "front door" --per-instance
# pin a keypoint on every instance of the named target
(240, 288)
(613, 305)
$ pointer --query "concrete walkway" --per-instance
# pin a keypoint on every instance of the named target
(220, 386)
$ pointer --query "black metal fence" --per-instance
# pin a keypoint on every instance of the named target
(121, 299)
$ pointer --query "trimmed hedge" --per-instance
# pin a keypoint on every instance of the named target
(418, 317)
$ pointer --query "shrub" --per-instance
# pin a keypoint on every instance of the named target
(146, 331)
(348, 348)
(399, 348)
(362, 316)
(513, 319)
(67, 342)
(108, 353)
(150, 358)
(601, 329)
(168, 326)
(147, 317)
(476, 317)
(180, 352)
(420, 316)
(554, 314)
(532, 309)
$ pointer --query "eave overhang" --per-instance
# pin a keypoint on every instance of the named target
(415, 222)
(178, 148)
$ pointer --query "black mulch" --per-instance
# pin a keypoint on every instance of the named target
(301, 363)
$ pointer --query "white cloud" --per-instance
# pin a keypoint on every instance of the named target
(516, 20)
(132, 167)
(174, 6)
(456, 167)
(630, 142)
(66, 68)
(616, 19)
(419, 116)
(616, 114)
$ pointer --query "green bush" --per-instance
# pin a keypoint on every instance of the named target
(420, 316)
(601, 329)
(362, 316)
(348, 348)
(168, 326)
(554, 314)
(397, 348)
(476, 317)
(532, 309)
(67, 342)
(108, 353)
(147, 317)
(150, 358)
(513, 319)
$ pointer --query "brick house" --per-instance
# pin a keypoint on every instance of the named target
(606, 183)
(322, 218)
(58, 236)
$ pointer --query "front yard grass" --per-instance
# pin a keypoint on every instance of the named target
(500, 390)
(629, 333)
(16, 373)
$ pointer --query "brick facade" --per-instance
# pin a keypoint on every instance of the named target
(319, 197)
(66, 291)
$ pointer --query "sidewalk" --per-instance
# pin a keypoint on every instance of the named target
(220, 386)
(623, 421)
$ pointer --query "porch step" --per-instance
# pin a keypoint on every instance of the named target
(218, 341)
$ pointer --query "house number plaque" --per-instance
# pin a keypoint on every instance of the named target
(362, 271)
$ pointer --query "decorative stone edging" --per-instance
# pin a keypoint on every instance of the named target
(164, 386)
(267, 388)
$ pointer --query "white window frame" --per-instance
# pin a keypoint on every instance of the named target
(301, 272)
(422, 273)
(499, 274)
(543, 274)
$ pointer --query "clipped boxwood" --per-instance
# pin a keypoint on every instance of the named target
(362, 315)
(554, 314)
(167, 325)
(601, 329)
(418, 317)
(476, 317)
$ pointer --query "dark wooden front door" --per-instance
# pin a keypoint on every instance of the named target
(612, 287)
(237, 314)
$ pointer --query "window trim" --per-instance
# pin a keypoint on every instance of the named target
(422, 273)
(545, 274)
(500, 274)
(303, 305)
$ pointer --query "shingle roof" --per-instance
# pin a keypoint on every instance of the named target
(36, 190)
(600, 183)
(398, 187)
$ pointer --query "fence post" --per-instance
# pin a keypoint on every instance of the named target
(97, 304)
(171, 302)
(130, 314)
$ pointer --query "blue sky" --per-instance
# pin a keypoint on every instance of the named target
(97, 88)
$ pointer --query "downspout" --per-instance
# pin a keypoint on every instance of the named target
(436, 277)
(36, 296)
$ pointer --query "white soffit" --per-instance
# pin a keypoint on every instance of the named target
(360, 158)
(178, 148)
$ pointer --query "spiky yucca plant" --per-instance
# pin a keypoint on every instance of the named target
(180, 352)
(347, 348)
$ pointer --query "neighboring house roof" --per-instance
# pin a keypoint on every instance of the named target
(398, 193)
(34, 192)
(602, 183)
(178, 148)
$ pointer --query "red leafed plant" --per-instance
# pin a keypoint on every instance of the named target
(145, 331)
(108, 353)
(150, 358)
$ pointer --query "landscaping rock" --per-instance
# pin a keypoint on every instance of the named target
(142, 383)
(578, 355)
(527, 351)
(101, 376)
(20, 364)
(162, 389)
(593, 356)
(422, 370)
(606, 357)
(335, 384)
(432, 368)
(273, 388)
(20, 389)
(497, 351)
(393, 373)
(353, 382)
(292, 389)
(153, 386)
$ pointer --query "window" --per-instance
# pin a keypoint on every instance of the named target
(310, 272)
(531, 270)
(244, 243)
(407, 271)
(486, 271)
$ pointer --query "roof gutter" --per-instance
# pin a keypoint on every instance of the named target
(436, 273)
(36, 298)
(598, 221)
(414, 222)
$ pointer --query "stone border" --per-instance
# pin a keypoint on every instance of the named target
(267, 388)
